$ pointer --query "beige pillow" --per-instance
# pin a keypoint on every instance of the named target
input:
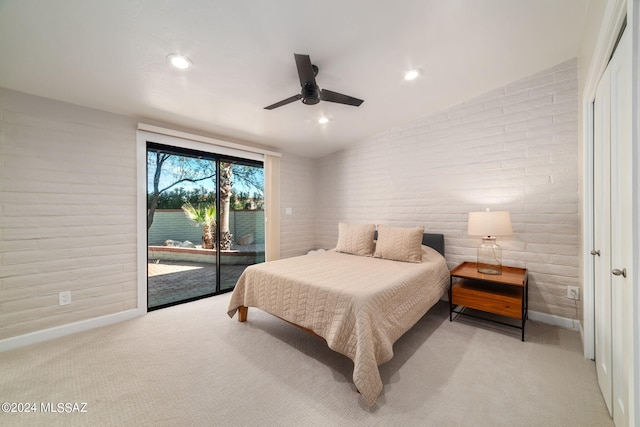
(356, 239)
(399, 243)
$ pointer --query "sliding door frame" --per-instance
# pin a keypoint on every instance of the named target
(216, 159)
(222, 149)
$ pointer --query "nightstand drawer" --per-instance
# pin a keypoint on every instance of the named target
(490, 297)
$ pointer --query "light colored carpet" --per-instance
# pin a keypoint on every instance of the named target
(193, 365)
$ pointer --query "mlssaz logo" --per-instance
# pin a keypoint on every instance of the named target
(65, 408)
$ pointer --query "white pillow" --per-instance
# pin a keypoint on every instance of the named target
(399, 243)
(356, 239)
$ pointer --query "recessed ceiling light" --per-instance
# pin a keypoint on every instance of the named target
(179, 61)
(323, 120)
(412, 74)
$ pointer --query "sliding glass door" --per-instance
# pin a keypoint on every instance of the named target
(241, 218)
(205, 222)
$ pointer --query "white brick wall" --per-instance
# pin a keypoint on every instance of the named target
(298, 181)
(67, 213)
(514, 148)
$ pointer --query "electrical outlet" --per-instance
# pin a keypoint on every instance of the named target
(64, 298)
(573, 292)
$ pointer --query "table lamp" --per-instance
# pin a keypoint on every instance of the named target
(489, 224)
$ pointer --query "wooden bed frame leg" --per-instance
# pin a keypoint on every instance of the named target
(242, 313)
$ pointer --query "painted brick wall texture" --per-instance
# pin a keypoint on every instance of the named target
(67, 213)
(298, 191)
(514, 148)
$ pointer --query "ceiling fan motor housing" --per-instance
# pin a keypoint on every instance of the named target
(310, 94)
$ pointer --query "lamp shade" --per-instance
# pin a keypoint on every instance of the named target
(489, 223)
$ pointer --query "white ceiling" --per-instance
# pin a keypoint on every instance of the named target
(111, 55)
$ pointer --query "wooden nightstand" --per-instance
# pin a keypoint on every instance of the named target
(505, 294)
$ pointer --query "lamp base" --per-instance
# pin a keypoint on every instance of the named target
(489, 269)
(489, 257)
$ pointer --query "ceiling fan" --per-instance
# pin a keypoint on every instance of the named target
(311, 94)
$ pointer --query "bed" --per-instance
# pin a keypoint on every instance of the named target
(356, 296)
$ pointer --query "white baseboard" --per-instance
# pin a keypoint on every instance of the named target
(71, 328)
(551, 319)
(84, 325)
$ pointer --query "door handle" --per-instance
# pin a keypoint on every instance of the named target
(617, 272)
(594, 252)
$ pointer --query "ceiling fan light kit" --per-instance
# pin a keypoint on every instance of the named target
(310, 93)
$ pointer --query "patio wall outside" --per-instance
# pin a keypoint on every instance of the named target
(172, 224)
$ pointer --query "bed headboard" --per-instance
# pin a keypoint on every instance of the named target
(435, 241)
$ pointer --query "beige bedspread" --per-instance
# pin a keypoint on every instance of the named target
(359, 305)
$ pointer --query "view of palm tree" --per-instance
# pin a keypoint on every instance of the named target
(204, 216)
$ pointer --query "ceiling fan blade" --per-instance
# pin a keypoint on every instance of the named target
(330, 96)
(284, 102)
(305, 69)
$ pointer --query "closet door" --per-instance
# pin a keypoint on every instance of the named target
(612, 233)
(602, 235)
(621, 227)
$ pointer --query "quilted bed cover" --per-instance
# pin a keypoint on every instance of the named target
(359, 305)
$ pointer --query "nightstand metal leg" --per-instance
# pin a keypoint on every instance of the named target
(450, 299)
(525, 304)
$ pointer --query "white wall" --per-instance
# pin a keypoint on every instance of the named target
(68, 213)
(298, 192)
(514, 148)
